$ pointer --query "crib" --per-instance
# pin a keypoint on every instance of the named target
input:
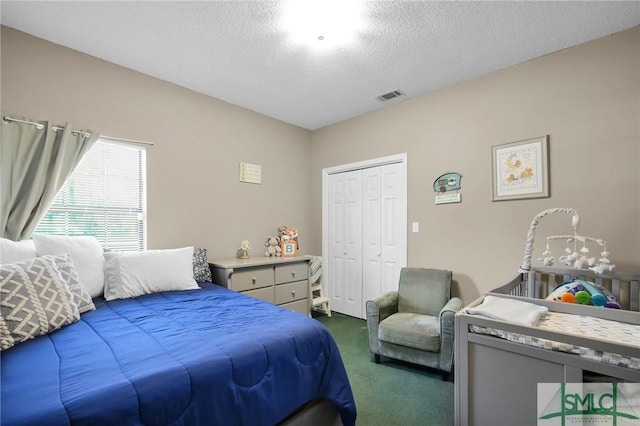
(499, 363)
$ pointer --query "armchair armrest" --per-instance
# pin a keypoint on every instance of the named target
(382, 306)
(447, 327)
(378, 309)
(451, 308)
(447, 316)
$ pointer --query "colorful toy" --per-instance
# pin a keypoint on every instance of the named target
(598, 300)
(583, 297)
(584, 293)
(601, 292)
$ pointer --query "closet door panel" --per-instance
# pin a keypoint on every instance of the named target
(393, 226)
(371, 234)
(345, 243)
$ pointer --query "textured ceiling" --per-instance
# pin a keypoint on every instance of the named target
(239, 51)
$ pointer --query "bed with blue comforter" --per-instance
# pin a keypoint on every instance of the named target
(195, 357)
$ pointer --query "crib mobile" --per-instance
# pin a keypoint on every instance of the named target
(575, 256)
(574, 290)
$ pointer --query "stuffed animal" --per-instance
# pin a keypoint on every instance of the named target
(288, 234)
(273, 247)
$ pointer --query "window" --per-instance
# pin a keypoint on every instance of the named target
(104, 197)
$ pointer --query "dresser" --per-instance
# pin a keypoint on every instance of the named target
(283, 281)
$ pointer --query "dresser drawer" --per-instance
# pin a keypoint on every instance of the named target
(292, 291)
(292, 272)
(251, 278)
(265, 294)
(300, 306)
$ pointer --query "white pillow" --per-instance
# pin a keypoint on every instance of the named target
(86, 254)
(16, 251)
(133, 273)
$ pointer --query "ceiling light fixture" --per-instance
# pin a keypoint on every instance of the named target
(338, 22)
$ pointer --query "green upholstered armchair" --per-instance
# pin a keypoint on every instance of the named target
(415, 323)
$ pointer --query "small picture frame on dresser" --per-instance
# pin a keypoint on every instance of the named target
(289, 249)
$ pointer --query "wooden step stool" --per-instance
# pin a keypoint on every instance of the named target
(320, 301)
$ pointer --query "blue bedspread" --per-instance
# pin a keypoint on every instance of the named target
(197, 357)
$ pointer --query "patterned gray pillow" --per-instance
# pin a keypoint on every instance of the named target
(81, 297)
(34, 300)
(201, 271)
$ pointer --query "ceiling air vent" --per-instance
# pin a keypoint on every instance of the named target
(390, 95)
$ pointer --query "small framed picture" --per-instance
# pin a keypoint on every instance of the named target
(289, 249)
(520, 169)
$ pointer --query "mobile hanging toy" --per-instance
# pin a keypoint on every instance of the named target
(576, 255)
(576, 252)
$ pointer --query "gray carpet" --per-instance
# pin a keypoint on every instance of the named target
(393, 392)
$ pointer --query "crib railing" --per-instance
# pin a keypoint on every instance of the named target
(539, 282)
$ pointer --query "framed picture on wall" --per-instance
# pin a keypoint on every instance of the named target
(521, 169)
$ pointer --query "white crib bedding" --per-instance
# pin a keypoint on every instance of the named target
(580, 325)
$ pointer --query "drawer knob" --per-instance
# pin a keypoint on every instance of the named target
(253, 280)
(293, 293)
(293, 273)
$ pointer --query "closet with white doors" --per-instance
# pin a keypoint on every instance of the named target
(364, 231)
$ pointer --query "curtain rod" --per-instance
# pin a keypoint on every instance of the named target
(40, 126)
(126, 141)
(9, 119)
(75, 132)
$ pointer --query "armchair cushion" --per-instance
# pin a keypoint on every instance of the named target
(411, 330)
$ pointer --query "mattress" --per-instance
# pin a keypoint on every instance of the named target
(579, 325)
(208, 356)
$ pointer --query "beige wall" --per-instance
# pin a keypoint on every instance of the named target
(194, 193)
(585, 98)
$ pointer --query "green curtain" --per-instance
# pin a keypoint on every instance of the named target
(35, 162)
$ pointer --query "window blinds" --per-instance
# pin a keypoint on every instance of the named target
(104, 197)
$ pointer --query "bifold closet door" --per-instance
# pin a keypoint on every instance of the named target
(345, 243)
(366, 236)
